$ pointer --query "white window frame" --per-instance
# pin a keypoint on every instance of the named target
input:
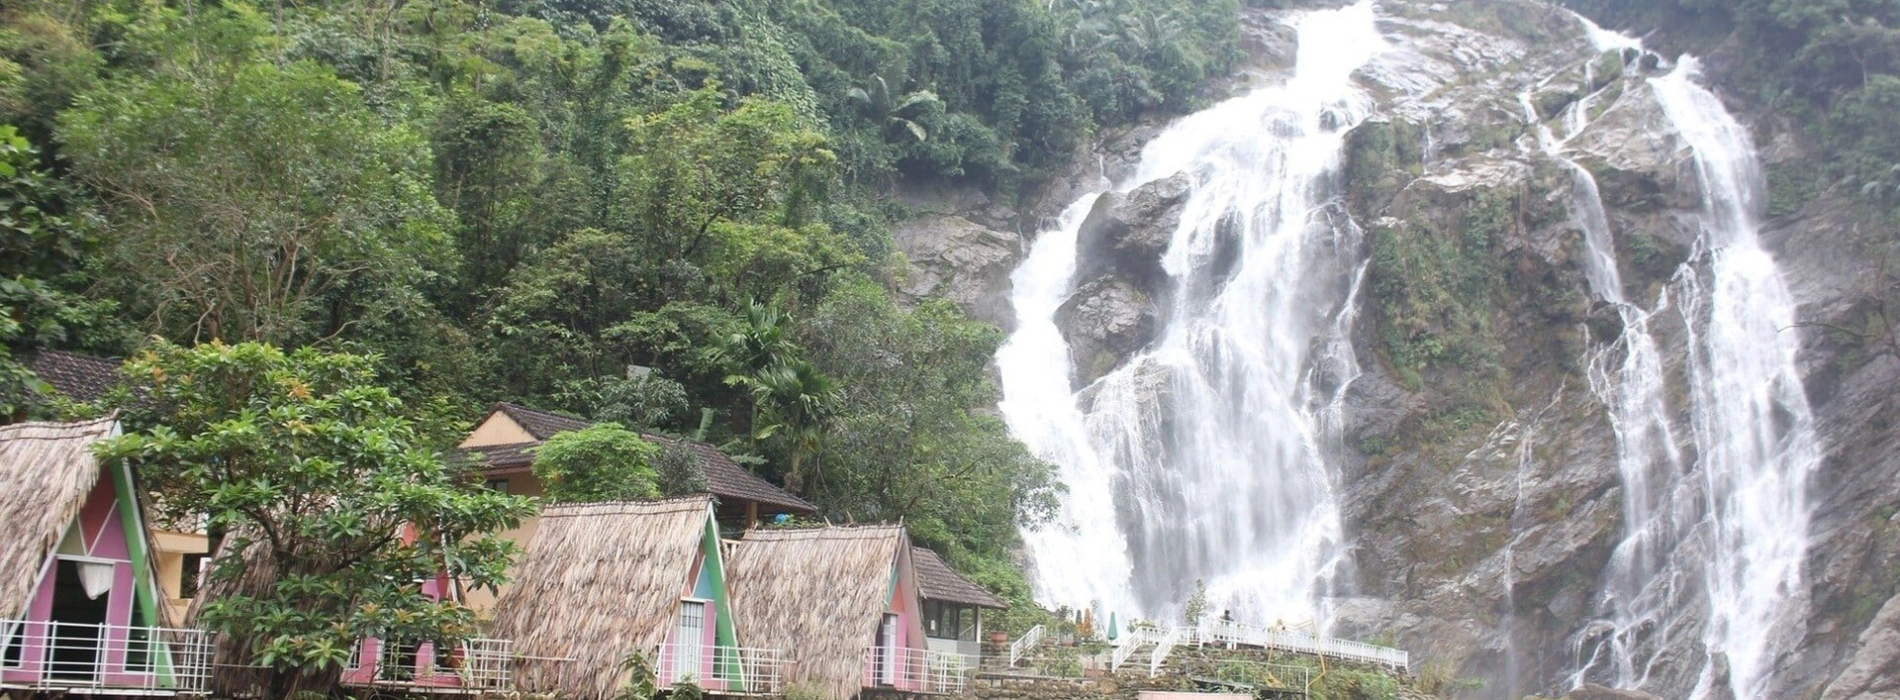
(698, 645)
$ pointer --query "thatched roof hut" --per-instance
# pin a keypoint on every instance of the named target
(820, 595)
(74, 551)
(47, 473)
(602, 581)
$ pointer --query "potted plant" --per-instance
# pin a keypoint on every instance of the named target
(999, 637)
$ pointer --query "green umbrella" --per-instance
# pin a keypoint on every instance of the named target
(1111, 627)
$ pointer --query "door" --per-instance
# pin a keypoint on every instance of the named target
(887, 651)
(689, 641)
(81, 594)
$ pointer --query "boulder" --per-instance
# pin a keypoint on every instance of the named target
(964, 262)
(1106, 322)
(1125, 235)
(1640, 162)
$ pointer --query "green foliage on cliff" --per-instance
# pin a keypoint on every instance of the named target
(1435, 289)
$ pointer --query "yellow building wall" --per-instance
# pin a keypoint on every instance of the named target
(168, 555)
(499, 429)
(523, 484)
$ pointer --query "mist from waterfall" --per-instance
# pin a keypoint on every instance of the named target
(1207, 455)
(1705, 587)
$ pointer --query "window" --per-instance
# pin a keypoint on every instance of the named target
(497, 485)
(887, 651)
(190, 574)
(689, 640)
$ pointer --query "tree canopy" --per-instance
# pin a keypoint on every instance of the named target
(325, 502)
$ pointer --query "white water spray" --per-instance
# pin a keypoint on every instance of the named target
(1706, 586)
(1207, 456)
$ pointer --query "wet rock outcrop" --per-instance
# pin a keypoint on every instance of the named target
(967, 263)
(1116, 309)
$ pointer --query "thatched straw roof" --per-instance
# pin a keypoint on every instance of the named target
(46, 472)
(599, 582)
(818, 595)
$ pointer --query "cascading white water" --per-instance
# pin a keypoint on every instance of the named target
(1705, 587)
(1206, 456)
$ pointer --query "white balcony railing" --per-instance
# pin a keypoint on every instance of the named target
(719, 669)
(42, 655)
(472, 665)
(913, 670)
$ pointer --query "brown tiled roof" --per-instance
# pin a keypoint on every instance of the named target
(82, 378)
(519, 454)
(937, 581)
(541, 424)
(727, 480)
(724, 477)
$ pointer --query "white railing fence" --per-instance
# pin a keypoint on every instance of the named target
(1266, 676)
(478, 664)
(1023, 644)
(1129, 643)
(40, 655)
(722, 669)
(1165, 646)
(915, 670)
(1306, 642)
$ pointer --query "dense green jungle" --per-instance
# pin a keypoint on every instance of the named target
(521, 200)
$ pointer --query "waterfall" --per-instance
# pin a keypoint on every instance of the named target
(1705, 588)
(1207, 456)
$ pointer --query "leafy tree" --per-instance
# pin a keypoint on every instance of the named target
(797, 403)
(242, 195)
(604, 462)
(910, 437)
(308, 474)
(1195, 611)
(695, 165)
(881, 106)
(644, 402)
(39, 249)
(677, 471)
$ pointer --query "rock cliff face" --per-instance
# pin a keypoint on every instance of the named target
(962, 261)
(1479, 481)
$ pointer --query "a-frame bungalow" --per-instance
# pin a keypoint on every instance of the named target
(603, 582)
(843, 604)
(471, 666)
(80, 611)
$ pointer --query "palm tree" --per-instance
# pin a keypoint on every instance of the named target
(764, 341)
(878, 104)
(798, 402)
